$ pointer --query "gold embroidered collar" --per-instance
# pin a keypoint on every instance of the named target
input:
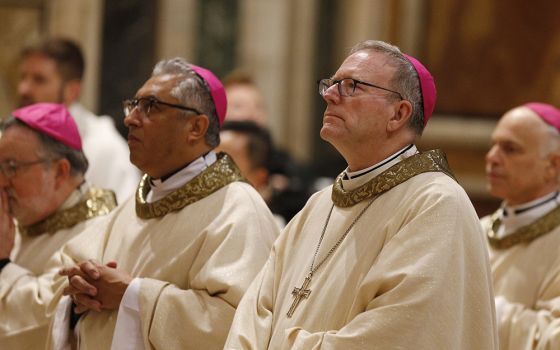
(95, 202)
(525, 234)
(221, 173)
(419, 163)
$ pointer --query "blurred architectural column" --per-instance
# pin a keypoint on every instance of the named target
(276, 45)
(176, 27)
(81, 21)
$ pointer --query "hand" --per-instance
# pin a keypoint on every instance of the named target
(7, 227)
(79, 287)
(93, 286)
(111, 286)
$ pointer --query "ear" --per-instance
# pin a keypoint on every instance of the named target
(71, 91)
(553, 170)
(62, 172)
(197, 127)
(401, 116)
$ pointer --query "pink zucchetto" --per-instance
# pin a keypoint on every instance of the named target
(548, 113)
(427, 87)
(216, 90)
(52, 119)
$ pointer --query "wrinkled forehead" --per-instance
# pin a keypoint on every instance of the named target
(367, 64)
(521, 125)
(18, 142)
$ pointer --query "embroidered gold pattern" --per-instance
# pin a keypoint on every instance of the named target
(221, 173)
(431, 161)
(96, 202)
(524, 234)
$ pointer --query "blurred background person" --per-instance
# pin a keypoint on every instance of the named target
(250, 146)
(42, 167)
(523, 169)
(51, 71)
(288, 181)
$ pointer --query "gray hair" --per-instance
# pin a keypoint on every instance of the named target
(550, 143)
(192, 91)
(405, 79)
(53, 149)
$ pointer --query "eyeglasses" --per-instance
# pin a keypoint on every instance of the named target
(347, 86)
(9, 168)
(145, 105)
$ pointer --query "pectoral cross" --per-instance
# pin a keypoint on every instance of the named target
(299, 294)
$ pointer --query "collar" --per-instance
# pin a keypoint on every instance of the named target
(514, 217)
(160, 189)
(354, 179)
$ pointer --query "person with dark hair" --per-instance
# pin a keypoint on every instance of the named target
(42, 187)
(392, 255)
(250, 146)
(52, 71)
(169, 269)
(523, 169)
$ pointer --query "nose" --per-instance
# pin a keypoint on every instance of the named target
(133, 119)
(492, 156)
(332, 95)
(23, 86)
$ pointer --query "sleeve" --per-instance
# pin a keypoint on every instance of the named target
(252, 325)
(24, 297)
(537, 327)
(200, 316)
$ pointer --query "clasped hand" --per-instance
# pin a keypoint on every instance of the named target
(93, 286)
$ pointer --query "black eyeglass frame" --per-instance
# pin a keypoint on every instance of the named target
(131, 103)
(355, 81)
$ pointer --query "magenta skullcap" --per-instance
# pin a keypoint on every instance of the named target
(427, 87)
(548, 113)
(52, 119)
(216, 90)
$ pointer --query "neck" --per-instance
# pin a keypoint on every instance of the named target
(364, 160)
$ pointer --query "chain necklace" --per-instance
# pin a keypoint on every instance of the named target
(303, 292)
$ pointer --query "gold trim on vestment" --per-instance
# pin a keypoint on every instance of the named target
(431, 161)
(525, 234)
(221, 173)
(95, 202)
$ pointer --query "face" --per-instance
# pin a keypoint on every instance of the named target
(236, 144)
(517, 168)
(31, 191)
(156, 141)
(358, 122)
(245, 103)
(39, 81)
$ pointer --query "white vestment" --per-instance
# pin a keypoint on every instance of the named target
(194, 261)
(412, 273)
(107, 153)
(25, 284)
(526, 274)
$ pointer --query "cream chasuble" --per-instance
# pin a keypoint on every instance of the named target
(412, 272)
(526, 272)
(196, 250)
(25, 284)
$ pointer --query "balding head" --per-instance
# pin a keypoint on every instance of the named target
(524, 161)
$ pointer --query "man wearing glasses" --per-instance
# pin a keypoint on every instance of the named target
(51, 70)
(391, 256)
(42, 187)
(171, 266)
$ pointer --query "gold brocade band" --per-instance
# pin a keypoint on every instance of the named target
(524, 234)
(221, 173)
(431, 161)
(96, 202)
